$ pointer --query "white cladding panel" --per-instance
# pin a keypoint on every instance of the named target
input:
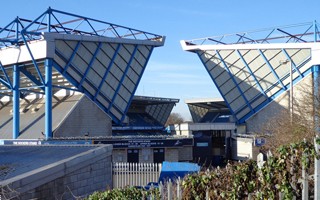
(13, 55)
(242, 148)
(122, 66)
(249, 79)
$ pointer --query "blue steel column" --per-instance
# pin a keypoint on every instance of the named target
(315, 30)
(48, 89)
(16, 102)
(48, 93)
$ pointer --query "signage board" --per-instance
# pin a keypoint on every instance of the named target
(140, 143)
(260, 142)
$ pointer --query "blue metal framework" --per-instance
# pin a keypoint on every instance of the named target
(224, 98)
(250, 71)
(144, 67)
(234, 81)
(271, 68)
(296, 33)
(20, 32)
(268, 78)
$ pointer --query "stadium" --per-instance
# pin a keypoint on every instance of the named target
(67, 93)
(257, 73)
(68, 106)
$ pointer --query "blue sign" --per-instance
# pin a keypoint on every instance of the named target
(260, 142)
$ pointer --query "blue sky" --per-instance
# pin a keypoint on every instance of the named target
(171, 72)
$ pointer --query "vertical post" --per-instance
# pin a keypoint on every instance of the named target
(169, 187)
(179, 191)
(48, 98)
(161, 190)
(291, 92)
(49, 20)
(17, 30)
(282, 62)
(305, 189)
(316, 99)
(315, 30)
(16, 102)
(316, 171)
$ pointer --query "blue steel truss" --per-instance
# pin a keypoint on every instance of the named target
(22, 31)
(296, 33)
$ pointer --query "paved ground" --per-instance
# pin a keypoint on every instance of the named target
(16, 160)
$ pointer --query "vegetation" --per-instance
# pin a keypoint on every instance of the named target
(302, 125)
(131, 193)
(174, 118)
(279, 174)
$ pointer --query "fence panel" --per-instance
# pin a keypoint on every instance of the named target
(135, 174)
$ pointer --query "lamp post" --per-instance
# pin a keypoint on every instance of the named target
(284, 62)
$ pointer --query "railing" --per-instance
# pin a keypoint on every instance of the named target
(296, 33)
(135, 174)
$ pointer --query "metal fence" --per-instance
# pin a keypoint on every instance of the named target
(135, 174)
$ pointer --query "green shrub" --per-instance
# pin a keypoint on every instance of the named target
(127, 193)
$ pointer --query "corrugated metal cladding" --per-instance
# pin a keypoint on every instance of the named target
(247, 78)
(197, 112)
(109, 73)
(160, 112)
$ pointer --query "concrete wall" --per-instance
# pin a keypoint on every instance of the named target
(171, 154)
(146, 154)
(185, 154)
(119, 155)
(257, 122)
(77, 176)
(86, 117)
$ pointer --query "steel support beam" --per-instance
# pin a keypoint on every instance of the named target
(71, 58)
(94, 56)
(107, 71)
(271, 68)
(315, 28)
(31, 77)
(7, 83)
(251, 73)
(217, 86)
(291, 61)
(136, 86)
(16, 102)
(48, 98)
(234, 81)
(32, 58)
(122, 79)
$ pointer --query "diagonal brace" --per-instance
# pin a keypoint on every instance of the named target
(8, 82)
(31, 77)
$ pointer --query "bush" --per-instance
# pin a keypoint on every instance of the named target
(131, 193)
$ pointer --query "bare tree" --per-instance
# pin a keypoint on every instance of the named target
(174, 118)
(284, 130)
